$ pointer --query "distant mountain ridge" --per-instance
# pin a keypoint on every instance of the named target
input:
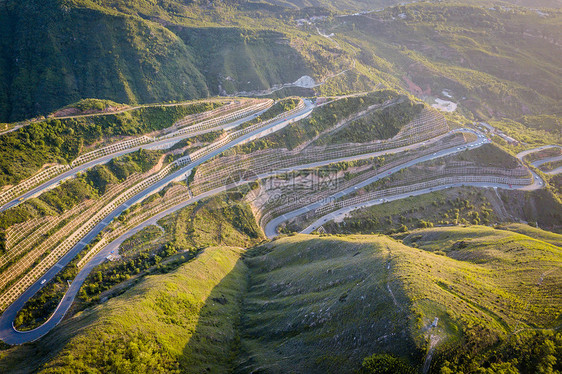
(58, 52)
(373, 4)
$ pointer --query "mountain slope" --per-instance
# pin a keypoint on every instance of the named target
(139, 52)
(80, 50)
(465, 51)
(322, 304)
(317, 305)
(53, 60)
(235, 59)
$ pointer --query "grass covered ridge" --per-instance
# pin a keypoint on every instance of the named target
(322, 304)
(149, 327)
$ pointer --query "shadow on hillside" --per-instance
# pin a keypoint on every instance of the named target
(254, 61)
(248, 325)
(214, 344)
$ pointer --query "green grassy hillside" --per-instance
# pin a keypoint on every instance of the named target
(77, 50)
(235, 59)
(323, 119)
(482, 292)
(213, 222)
(466, 51)
(56, 53)
(546, 236)
(24, 151)
(321, 304)
(150, 327)
(379, 125)
(501, 287)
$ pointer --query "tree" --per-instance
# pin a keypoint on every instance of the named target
(385, 364)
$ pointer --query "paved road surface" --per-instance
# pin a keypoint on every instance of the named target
(271, 227)
(11, 336)
(555, 171)
(343, 211)
(538, 163)
(546, 160)
(521, 155)
(12, 129)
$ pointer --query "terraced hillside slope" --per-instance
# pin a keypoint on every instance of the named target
(357, 136)
(461, 205)
(125, 188)
(322, 304)
(417, 144)
(371, 145)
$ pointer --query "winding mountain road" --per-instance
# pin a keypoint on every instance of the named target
(271, 228)
(522, 155)
(538, 163)
(10, 335)
(546, 160)
(346, 210)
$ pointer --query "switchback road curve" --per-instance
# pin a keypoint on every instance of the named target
(271, 228)
(11, 336)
